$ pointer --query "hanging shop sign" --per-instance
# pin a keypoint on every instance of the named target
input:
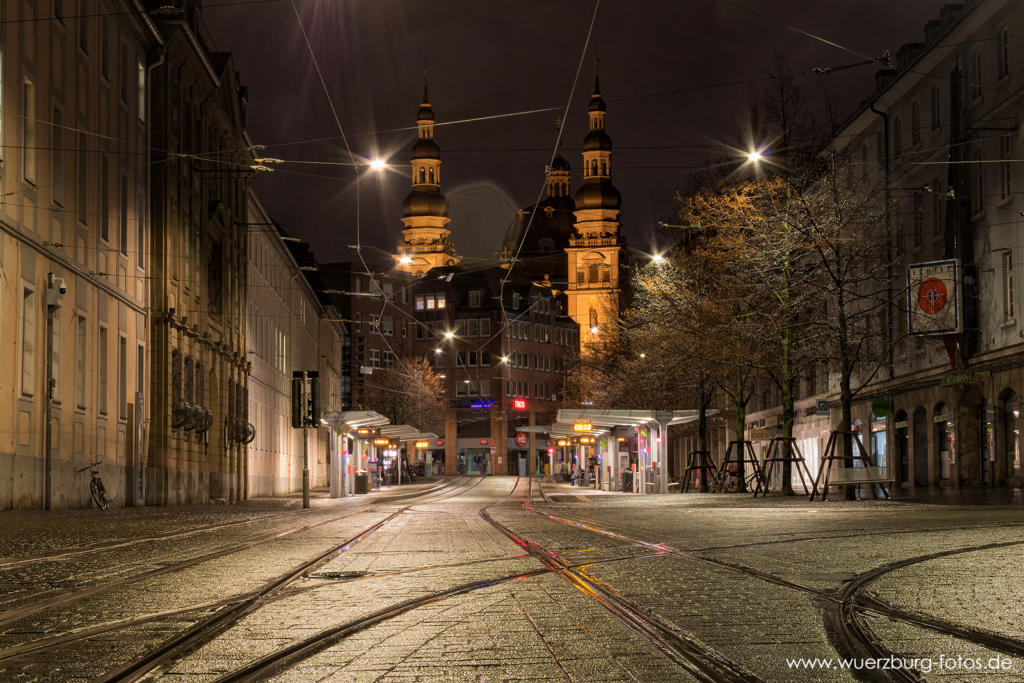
(880, 407)
(933, 297)
(522, 439)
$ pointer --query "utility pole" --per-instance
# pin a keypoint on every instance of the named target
(305, 412)
(305, 446)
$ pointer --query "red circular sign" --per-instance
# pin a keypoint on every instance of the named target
(484, 442)
(439, 442)
(932, 296)
(522, 439)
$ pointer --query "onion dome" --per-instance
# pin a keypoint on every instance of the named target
(597, 141)
(425, 148)
(425, 112)
(598, 196)
(420, 203)
(560, 164)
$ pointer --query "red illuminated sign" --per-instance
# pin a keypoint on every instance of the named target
(519, 404)
(522, 439)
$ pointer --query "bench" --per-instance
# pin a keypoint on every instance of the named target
(675, 484)
(846, 476)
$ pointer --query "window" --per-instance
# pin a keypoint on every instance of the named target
(142, 91)
(387, 325)
(485, 327)
(592, 273)
(389, 359)
(83, 25)
(976, 84)
(1009, 310)
(515, 301)
(57, 151)
(374, 358)
(122, 238)
(1006, 191)
(472, 327)
(80, 362)
(28, 343)
(915, 123)
(1003, 47)
(936, 100)
(105, 202)
(122, 379)
(140, 374)
(82, 200)
(917, 217)
(374, 323)
(28, 112)
(440, 300)
(102, 370)
(978, 205)
(105, 48)
(474, 299)
(359, 322)
(140, 229)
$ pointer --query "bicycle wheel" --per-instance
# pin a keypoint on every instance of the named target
(99, 495)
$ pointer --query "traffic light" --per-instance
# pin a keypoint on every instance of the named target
(298, 390)
(305, 400)
(314, 401)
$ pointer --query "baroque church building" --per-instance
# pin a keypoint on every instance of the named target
(573, 245)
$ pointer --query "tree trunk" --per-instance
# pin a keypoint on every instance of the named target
(702, 442)
(740, 403)
(787, 433)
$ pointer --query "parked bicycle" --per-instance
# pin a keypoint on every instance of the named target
(727, 481)
(99, 494)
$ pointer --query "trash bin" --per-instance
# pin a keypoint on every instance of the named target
(362, 483)
(627, 481)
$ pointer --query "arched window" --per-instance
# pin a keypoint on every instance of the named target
(604, 168)
(423, 175)
(1012, 431)
(592, 275)
(593, 169)
(943, 441)
(431, 175)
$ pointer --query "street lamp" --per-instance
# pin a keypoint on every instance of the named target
(378, 164)
(657, 258)
(754, 156)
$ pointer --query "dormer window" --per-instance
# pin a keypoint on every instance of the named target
(515, 301)
(474, 299)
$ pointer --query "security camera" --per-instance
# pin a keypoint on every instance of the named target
(62, 286)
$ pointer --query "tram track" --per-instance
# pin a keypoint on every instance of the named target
(207, 629)
(844, 610)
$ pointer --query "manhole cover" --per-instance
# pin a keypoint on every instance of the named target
(338, 575)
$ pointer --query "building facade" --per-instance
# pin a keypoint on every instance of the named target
(943, 130)
(200, 428)
(76, 126)
(290, 329)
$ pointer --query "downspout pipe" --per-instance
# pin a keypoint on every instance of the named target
(886, 167)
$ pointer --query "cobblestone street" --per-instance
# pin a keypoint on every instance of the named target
(505, 579)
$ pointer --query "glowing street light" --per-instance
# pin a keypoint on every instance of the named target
(378, 164)
(657, 258)
(754, 156)
(405, 259)
(449, 335)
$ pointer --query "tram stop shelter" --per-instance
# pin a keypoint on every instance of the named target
(345, 428)
(406, 434)
(651, 428)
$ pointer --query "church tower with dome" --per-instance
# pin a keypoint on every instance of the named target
(425, 242)
(595, 250)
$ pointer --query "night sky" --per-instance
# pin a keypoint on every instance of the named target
(492, 65)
